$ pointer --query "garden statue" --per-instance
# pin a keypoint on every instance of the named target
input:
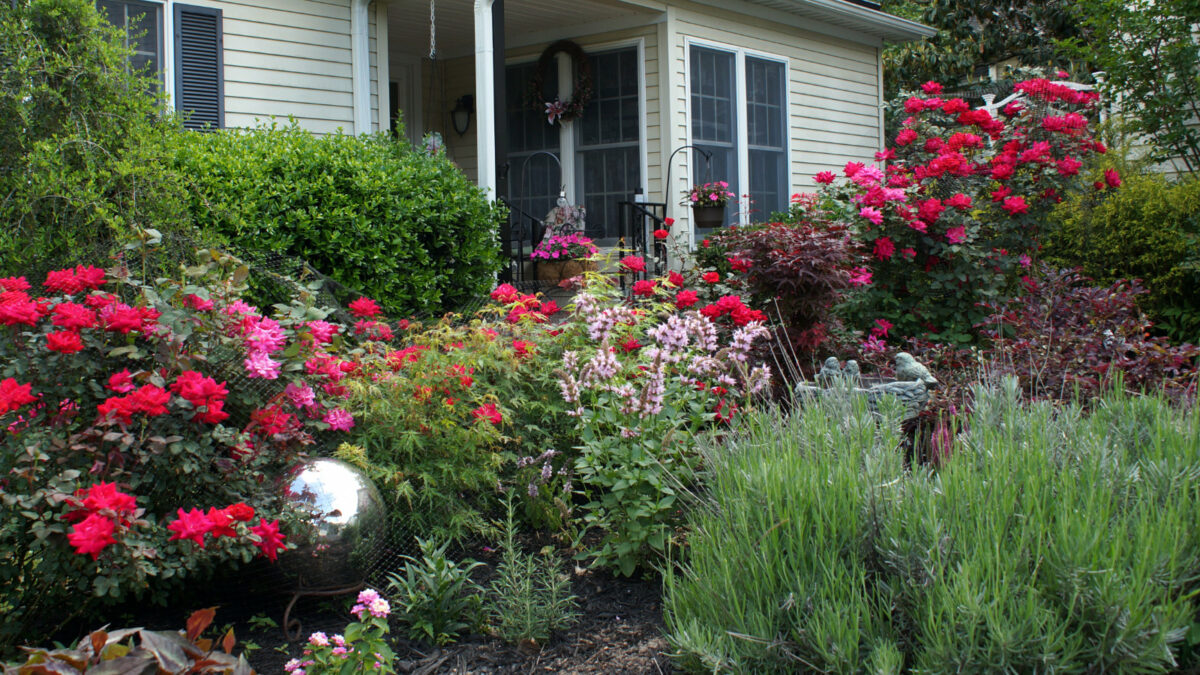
(911, 384)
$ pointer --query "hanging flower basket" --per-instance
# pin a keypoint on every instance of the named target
(708, 216)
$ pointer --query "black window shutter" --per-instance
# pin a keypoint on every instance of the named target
(199, 67)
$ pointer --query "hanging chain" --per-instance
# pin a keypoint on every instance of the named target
(432, 30)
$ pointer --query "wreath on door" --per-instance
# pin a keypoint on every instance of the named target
(555, 110)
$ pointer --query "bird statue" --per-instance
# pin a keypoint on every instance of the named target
(830, 371)
(909, 369)
(851, 370)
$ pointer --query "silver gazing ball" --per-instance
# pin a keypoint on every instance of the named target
(343, 519)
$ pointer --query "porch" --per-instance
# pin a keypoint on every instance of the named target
(447, 60)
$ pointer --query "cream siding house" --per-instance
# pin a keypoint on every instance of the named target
(759, 93)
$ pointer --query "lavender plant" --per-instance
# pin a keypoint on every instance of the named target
(638, 408)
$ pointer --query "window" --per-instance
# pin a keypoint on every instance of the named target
(739, 115)
(193, 60)
(142, 22)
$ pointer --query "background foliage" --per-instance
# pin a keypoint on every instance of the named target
(84, 145)
(1147, 230)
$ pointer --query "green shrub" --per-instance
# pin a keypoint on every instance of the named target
(83, 143)
(405, 228)
(1050, 539)
(1148, 230)
(435, 596)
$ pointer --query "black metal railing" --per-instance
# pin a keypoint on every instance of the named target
(526, 231)
(638, 221)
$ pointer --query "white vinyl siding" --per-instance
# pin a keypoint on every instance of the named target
(291, 57)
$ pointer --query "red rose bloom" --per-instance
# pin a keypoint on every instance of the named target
(675, 279)
(64, 342)
(1111, 178)
(489, 412)
(685, 299)
(13, 395)
(241, 512)
(270, 541)
(72, 316)
(220, 523)
(192, 525)
(661, 234)
(364, 308)
(644, 288)
(92, 535)
(633, 263)
(711, 277)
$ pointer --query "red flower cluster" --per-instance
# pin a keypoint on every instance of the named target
(70, 281)
(194, 525)
(633, 263)
(205, 395)
(101, 509)
(149, 399)
(732, 306)
(17, 308)
(644, 288)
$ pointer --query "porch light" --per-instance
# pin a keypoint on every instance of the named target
(461, 115)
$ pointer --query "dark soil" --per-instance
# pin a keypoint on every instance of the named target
(619, 631)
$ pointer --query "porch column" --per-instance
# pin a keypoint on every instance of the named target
(360, 64)
(485, 94)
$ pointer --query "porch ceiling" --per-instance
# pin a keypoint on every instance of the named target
(408, 22)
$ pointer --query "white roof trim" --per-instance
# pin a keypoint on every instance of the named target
(849, 15)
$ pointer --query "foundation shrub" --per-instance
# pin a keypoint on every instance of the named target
(404, 227)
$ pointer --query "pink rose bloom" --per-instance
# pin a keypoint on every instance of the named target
(956, 235)
(872, 214)
(322, 331)
(338, 420)
(1024, 260)
(860, 276)
(301, 396)
(824, 177)
(260, 365)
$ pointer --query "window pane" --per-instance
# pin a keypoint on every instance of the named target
(142, 24)
(609, 142)
(714, 122)
(535, 178)
(766, 135)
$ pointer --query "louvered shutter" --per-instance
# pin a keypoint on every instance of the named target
(199, 67)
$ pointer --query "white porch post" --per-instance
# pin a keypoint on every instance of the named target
(485, 97)
(360, 60)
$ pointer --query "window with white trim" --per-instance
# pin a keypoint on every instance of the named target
(739, 116)
(196, 49)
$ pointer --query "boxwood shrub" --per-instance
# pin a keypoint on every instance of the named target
(1149, 229)
(406, 228)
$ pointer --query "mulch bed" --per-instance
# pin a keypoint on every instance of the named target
(619, 631)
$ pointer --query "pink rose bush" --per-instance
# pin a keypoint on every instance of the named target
(964, 196)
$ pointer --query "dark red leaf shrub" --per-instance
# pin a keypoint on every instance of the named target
(1064, 335)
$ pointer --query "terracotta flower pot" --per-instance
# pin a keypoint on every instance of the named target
(557, 270)
(708, 216)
